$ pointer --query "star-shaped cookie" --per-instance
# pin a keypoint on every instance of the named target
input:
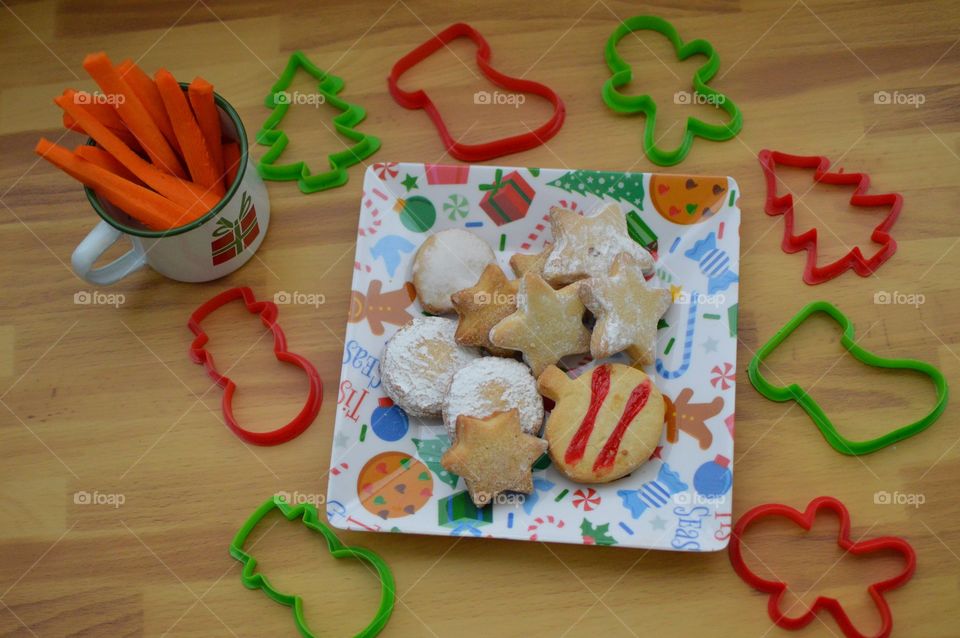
(522, 263)
(627, 310)
(586, 246)
(483, 306)
(547, 326)
(493, 455)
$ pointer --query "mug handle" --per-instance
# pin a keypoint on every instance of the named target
(95, 244)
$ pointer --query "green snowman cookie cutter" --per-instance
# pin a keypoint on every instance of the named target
(280, 99)
(630, 104)
(794, 392)
(311, 519)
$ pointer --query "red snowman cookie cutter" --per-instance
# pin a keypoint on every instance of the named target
(777, 589)
(783, 205)
(487, 150)
(268, 315)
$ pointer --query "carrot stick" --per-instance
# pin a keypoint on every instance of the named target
(152, 209)
(231, 161)
(193, 197)
(123, 132)
(192, 144)
(146, 90)
(133, 113)
(103, 159)
(208, 118)
(105, 113)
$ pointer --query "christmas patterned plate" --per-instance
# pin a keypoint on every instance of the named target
(385, 465)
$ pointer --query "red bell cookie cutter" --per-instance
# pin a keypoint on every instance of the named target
(783, 205)
(488, 150)
(805, 519)
(268, 315)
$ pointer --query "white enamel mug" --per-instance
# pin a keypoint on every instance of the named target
(207, 248)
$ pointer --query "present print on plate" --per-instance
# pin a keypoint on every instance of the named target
(230, 238)
(386, 474)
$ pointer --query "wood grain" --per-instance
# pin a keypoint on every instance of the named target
(103, 399)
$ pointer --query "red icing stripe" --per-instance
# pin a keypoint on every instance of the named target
(636, 402)
(599, 387)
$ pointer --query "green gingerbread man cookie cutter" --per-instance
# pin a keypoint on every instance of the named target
(794, 392)
(280, 99)
(311, 519)
(630, 104)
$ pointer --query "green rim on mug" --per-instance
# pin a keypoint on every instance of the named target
(141, 232)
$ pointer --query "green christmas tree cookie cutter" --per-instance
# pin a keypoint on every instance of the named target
(311, 519)
(630, 104)
(280, 100)
(794, 392)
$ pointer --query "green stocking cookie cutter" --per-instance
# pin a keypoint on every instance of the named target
(280, 100)
(311, 519)
(622, 103)
(794, 392)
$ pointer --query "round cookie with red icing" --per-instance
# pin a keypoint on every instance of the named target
(446, 262)
(684, 199)
(606, 423)
(394, 484)
(419, 361)
(490, 385)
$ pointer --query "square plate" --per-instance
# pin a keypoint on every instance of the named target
(385, 472)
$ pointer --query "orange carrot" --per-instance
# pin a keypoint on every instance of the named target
(133, 113)
(152, 209)
(103, 159)
(123, 132)
(193, 197)
(231, 161)
(105, 113)
(192, 144)
(146, 90)
(208, 118)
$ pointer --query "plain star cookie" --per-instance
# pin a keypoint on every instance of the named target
(627, 310)
(490, 385)
(547, 326)
(418, 363)
(606, 423)
(483, 306)
(586, 246)
(522, 263)
(446, 262)
(493, 455)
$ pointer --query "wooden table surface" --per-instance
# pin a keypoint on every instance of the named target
(101, 399)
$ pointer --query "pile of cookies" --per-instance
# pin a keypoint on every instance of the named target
(585, 292)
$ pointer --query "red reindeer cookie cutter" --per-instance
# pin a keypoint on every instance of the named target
(783, 205)
(488, 150)
(268, 315)
(777, 589)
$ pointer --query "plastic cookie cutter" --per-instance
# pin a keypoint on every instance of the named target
(280, 100)
(630, 104)
(487, 150)
(778, 589)
(812, 273)
(794, 392)
(268, 315)
(307, 513)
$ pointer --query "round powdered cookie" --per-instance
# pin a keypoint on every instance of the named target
(446, 262)
(606, 423)
(419, 361)
(490, 385)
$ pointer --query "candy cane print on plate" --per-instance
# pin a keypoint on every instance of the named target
(687, 344)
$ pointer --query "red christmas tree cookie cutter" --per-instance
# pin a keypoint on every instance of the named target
(805, 519)
(783, 205)
(268, 315)
(488, 150)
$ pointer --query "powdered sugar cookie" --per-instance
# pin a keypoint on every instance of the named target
(490, 385)
(606, 423)
(446, 262)
(627, 311)
(419, 361)
(587, 246)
